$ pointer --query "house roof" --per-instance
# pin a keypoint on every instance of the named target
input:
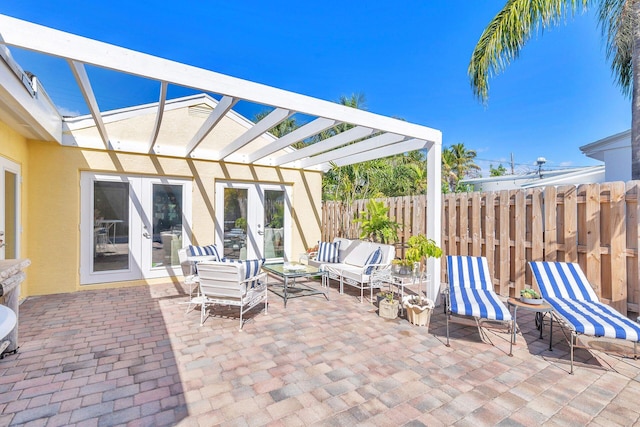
(372, 135)
(549, 177)
(596, 149)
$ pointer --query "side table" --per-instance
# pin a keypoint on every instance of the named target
(539, 309)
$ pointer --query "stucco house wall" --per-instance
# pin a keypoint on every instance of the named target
(54, 205)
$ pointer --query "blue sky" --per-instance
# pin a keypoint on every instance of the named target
(408, 58)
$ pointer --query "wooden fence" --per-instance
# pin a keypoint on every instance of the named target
(595, 225)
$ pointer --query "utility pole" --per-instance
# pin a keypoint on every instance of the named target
(513, 172)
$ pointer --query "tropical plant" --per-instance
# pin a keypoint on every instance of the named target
(420, 248)
(499, 171)
(513, 26)
(375, 224)
(457, 163)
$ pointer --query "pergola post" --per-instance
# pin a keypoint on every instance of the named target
(434, 212)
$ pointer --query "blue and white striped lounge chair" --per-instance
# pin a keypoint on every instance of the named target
(565, 287)
(471, 292)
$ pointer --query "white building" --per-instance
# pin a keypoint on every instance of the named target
(615, 152)
(572, 176)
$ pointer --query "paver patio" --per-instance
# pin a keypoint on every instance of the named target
(132, 357)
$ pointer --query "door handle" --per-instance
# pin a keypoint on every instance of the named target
(147, 235)
(260, 232)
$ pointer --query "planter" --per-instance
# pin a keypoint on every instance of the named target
(388, 309)
(418, 311)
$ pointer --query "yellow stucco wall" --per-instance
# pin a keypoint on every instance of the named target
(53, 205)
(14, 147)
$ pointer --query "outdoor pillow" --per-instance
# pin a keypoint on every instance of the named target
(374, 258)
(328, 252)
(211, 250)
(250, 268)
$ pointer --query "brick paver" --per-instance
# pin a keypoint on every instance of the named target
(132, 357)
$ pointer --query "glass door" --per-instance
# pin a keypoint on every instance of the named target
(10, 210)
(131, 227)
(253, 220)
(163, 224)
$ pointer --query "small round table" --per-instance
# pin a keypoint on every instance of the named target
(539, 309)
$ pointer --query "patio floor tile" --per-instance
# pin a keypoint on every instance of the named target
(132, 356)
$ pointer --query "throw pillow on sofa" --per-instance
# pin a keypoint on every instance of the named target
(328, 252)
(374, 258)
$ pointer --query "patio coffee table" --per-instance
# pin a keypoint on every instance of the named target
(290, 288)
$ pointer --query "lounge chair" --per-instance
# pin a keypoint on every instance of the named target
(565, 287)
(471, 293)
(234, 283)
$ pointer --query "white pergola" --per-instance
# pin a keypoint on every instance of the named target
(372, 136)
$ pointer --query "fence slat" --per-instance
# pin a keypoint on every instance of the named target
(474, 225)
(570, 224)
(617, 245)
(503, 244)
(592, 208)
(519, 241)
(550, 230)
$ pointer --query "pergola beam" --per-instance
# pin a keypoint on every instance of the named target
(349, 150)
(27, 35)
(338, 140)
(273, 119)
(156, 127)
(82, 79)
(378, 153)
(315, 127)
(223, 107)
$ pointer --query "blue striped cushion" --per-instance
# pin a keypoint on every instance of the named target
(562, 280)
(481, 303)
(471, 289)
(328, 252)
(250, 268)
(565, 287)
(204, 250)
(469, 272)
(374, 258)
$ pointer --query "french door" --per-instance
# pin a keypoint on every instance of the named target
(10, 178)
(253, 220)
(132, 226)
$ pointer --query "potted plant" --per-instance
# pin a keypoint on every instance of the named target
(388, 307)
(418, 309)
(402, 266)
(419, 249)
(382, 295)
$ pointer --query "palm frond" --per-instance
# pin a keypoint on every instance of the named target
(508, 32)
(616, 20)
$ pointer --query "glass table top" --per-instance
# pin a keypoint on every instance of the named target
(291, 269)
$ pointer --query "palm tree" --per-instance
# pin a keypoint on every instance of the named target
(512, 27)
(449, 178)
(461, 162)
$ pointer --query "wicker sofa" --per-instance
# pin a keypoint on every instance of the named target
(354, 266)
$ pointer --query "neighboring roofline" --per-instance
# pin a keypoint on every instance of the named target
(531, 175)
(594, 149)
(561, 179)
